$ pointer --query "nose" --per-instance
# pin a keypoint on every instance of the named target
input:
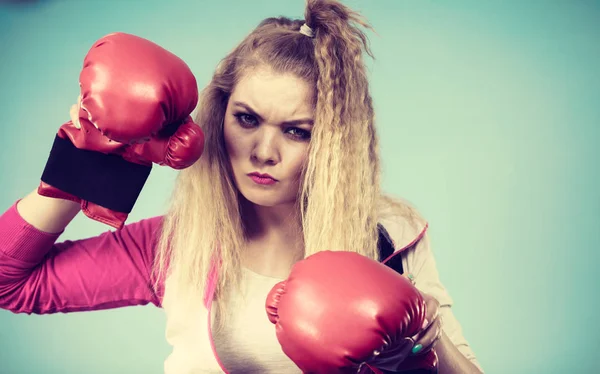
(266, 147)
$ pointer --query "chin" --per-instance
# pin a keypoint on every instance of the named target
(266, 198)
(263, 199)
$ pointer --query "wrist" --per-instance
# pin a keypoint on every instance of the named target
(451, 360)
(47, 214)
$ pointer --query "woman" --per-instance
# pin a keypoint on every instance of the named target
(290, 167)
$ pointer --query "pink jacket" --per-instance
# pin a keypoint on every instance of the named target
(38, 275)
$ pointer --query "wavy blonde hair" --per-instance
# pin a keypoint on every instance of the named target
(340, 198)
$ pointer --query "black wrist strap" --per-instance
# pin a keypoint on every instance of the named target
(104, 179)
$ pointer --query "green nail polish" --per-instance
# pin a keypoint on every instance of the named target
(416, 349)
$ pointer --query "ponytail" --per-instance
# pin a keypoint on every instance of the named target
(342, 175)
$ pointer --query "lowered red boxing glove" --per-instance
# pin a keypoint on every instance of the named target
(136, 101)
(341, 312)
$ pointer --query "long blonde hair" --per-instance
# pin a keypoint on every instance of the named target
(338, 201)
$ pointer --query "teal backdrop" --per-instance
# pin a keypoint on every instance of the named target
(489, 117)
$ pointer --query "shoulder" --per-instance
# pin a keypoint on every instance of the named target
(145, 232)
(402, 221)
(150, 225)
(141, 240)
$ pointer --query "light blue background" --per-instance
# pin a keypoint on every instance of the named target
(489, 122)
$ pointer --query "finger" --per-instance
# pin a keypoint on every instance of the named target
(437, 338)
(390, 359)
(432, 312)
(428, 337)
(433, 308)
(74, 114)
(410, 277)
(407, 348)
(83, 112)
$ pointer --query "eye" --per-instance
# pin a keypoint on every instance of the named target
(299, 133)
(246, 120)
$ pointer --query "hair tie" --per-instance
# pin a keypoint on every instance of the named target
(305, 30)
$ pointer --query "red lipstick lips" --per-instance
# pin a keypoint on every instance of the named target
(262, 179)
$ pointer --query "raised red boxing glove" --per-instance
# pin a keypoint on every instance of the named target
(341, 312)
(136, 101)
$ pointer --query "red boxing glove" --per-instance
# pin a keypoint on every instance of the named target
(341, 312)
(136, 100)
(135, 91)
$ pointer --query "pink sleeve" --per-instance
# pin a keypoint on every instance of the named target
(112, 270)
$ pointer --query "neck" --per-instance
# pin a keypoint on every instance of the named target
(274, 239)
(280, 223)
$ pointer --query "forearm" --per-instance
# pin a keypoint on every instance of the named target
(451, 360)
(47, 214)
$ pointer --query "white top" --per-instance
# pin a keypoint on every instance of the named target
(249, 343)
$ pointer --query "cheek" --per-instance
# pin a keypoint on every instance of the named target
(297, 160)
(233, 143)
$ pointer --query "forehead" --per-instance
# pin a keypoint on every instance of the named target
(264, 89)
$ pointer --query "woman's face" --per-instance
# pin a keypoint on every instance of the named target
(267, 126)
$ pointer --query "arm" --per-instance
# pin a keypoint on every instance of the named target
(47, 214)
(38, 275)
(451, 360)
(453, 350)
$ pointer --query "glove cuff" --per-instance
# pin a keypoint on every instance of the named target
(103, 179)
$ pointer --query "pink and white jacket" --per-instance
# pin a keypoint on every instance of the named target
(40, 275)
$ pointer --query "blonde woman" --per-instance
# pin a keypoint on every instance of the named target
(281, 163)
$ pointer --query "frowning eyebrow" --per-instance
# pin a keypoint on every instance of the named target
(295, 122)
